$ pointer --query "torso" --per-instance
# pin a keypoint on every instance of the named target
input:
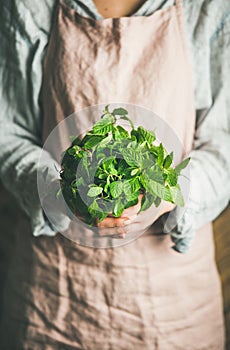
(117, 8)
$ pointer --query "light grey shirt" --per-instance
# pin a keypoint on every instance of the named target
(24, 33)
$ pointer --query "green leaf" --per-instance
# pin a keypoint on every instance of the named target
(122, 165)
(147, 163)
(85, 164)
(94, 191)
(102, 176)
(104, 125)
(106, 109)
(74, 150)
(106, 205)
(132, 202)
(157, 201)
(92, 141)
(143, 180)
(118, 208)
(134, 134)
(182, 165)
(119, 111)
(134, 171)
(172, 177)
(106, 188)
(106, 140)
(101, 216)
(154, 173)
(168, 160)
(96, 212)
(100, 156)
(78, 182)
(132, 157)
(161, 153)
(121, 133)
(147, 201)
(103, 130)
(127, 190)
(93, 212)
(161, 191)
(177, 196)
(133, 145)
(109, 165)
(154, 151)
(135, 184)
(116, 188)
(145, 135)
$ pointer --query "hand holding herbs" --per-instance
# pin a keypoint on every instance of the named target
(111, 169)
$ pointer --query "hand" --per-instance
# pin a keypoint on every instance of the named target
(55, 208)
(129, 221)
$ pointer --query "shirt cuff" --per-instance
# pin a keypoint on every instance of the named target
(41, 225)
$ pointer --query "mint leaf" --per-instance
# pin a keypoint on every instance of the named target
(127, 188)
(157, 201)
(134, 171)
(94, 191)
(172, 177)
(122, 165)
(131, 199)
(118, 208)
(103, 126)
(121, 133)
(168, 160)
(147, 201)
(155, 173)
(78, 182)
(135, 184)
(176, 194)
(131, 157)
(116, 189)
(106, 140)
(182, 165)
(106, 109)
(119, 111)
(92, 141)
(74, 151)
(161, 152)
(96, 212)
(161, 191)
(147, 163)
(145, 135)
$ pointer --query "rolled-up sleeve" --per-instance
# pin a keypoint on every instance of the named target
(209, 191)
(23, 43)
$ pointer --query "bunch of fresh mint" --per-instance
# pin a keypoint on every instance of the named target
(106, 171)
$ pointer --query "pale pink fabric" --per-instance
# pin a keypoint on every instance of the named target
(143, 295)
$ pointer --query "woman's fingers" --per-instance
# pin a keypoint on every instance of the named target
(125, 219)
(114, 222)
(114, 232)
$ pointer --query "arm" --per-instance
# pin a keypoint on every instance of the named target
(210, 164)
(22, 46)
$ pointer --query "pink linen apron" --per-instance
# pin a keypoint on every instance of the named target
(143, 295)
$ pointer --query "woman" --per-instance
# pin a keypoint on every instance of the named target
(143, 295)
